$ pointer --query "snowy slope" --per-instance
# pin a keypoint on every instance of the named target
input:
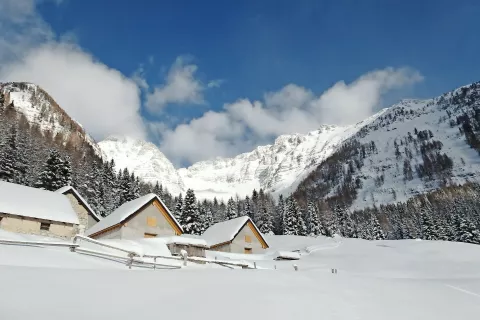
(376, 280)
(382, 175)
(144, 159)
(41, 109)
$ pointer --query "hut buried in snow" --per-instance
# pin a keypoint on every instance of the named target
(144, 217)
(36, 211)
(194, 246)
(86, 216)
(239, 235)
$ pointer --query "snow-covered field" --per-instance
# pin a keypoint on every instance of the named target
(405, 279)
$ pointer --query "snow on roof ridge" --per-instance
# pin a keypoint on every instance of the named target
(125, 211)
(65, 189)
(40, 204)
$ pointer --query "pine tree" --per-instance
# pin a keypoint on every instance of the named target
(291, 214)
(231, 209)
(208, 216)
(7, 157)
(66, 172)
(51, 178)
(301, 226)
(467, 232)
(377, 232)
(190, 219)
(279, 216)
(313, 221)
(177, 211)
(264, 220)
(345, 223)
(429, 229)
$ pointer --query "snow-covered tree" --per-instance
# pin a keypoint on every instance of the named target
(264, 220)
(345, 223)
(429, 229)
(279, 216)
(467, 232)
(291, 215)
(190, 218)
(377, 232)
(231, 209)
(313, 220)
(51, 178)
(177, 211)
(207, 220)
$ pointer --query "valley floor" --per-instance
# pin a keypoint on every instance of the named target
(404, 279)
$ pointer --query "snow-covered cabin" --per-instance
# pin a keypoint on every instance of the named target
(86, 216)
(144, 217)
(239, 235)
(35, 211)
(194, 245)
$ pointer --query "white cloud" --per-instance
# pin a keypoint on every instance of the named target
(244, 123)
(215, 83)
(102, 99)
(180, 87)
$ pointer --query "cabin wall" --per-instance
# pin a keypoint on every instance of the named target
(27, 225)
(84, 217)
(222, 248)
(111, 234)
(192, 251)
(239, 244)
(136, 227)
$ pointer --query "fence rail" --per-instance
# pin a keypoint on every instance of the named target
(39, 243)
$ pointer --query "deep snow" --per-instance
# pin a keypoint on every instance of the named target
(405, 279)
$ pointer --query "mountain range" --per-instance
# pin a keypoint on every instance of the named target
(412, 147)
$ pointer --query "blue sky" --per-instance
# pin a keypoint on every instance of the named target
(255, 47)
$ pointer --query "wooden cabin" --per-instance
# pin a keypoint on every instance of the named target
(35, 211)
(239, 235)
(194, 246)
(86, 216)
(144, 217)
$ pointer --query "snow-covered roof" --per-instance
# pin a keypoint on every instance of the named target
(66, 189)
(227, 230)
(187, 240)
(125, 211)
(35, 203)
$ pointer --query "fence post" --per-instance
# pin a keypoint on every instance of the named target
(254, 264)
(295, 267)
(154, 263)
(185, 256)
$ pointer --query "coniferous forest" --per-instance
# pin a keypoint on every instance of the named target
(34, 157)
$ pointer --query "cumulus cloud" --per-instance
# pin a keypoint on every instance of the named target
(244, 123)
(181, 87)
(102, 99)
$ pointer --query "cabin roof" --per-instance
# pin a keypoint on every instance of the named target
(66, 189)
(36, 203)
(127, 210)
(226, 231)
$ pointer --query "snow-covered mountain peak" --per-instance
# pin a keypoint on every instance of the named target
(144, 159)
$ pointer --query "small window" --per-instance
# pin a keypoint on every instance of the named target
(248, 239)
(44, 226)
(248, 250)
(149, 235)
(151, 221)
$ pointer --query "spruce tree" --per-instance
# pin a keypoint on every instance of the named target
(291, 215)
(51, 178)
(313, 221)
(468, 232)
(190, 219)
(231, 209)
(279, 216)
(208, 216)
(429, 229)
(377, 232)
(264, 220)
(177, 211)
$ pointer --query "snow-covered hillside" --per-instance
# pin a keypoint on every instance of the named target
(376, 280)
(414, 147)
(41, 109)
(144, 159)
